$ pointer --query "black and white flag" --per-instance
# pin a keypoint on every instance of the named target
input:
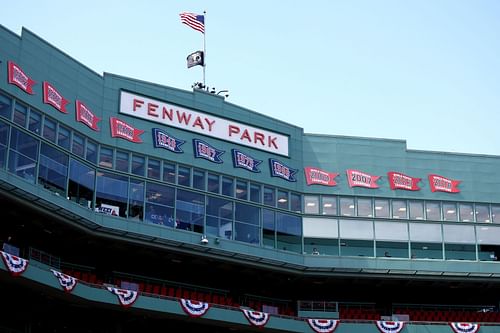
(195, 59)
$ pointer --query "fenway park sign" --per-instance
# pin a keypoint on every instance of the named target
(202, 123)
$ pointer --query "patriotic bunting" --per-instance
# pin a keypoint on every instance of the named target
(67, 282)
(390, 326)
(464, 327)
(194, 308)
(14, 264)
(323, 325)
(256, 318)
(126, 297)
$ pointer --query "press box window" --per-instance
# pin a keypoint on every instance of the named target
(213, 183)
(199, 179)
(35, 122)
(63, 137)
(138, 165)
(122, 160)
(255, 193)
(153, 168)
(329, 205)
(184, 176)
(347, 206)
(227, 186)
(241, 189)
(106, 157)
(269, 196)
(311, 204)
(282, 199)
(49, 129)
(168, 172)
(20, 114)
(91, 154)
(5, 106)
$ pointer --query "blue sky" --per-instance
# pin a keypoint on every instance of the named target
(427, 72)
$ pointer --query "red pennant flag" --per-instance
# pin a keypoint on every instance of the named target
(52, 97)
(442, 184)
(19, 78)
(319, 177)
(84, 115)
(361, 179)
(400, 181)
(120, 129)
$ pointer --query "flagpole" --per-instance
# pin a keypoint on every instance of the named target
(204, 45)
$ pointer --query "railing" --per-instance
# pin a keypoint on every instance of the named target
(44, 258)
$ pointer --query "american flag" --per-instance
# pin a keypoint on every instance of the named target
(197, 22)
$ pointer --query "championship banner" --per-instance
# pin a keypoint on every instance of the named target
(256, 318)
(323, 325)
(442, 184)
(390, 326)
(194, 308)
(400, 181)
(14, 264)
(85, 116)
(315, 176)
(19, 78)
(52, 97)
(281, 170)
(245, 161)
(162, 139)
(361, 179)
(464, 327)
(120, 129)
(67, 282)
(206, 151)
(125, 296)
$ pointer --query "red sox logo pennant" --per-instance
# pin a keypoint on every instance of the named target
(14, 264)
(319, 177)
(323, 325)
(361, 179)
(126, 297)
(464, 327)
(52, 97)
(18, 78)
(442, 184)
(256, 318)
(85, 116)
(390, 326)
(67, 282)
(194, 308)
(400, 181)
(120, 129)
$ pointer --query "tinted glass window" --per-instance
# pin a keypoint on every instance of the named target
(78, 145)
(138, 165)
(63, 137)
(5, 106)
(20, 114)
(153, 168)
(49, 129)
(106, 157)
(53, 170)
(168, 172)
(81, 183)
(112, 194)
(35, 122)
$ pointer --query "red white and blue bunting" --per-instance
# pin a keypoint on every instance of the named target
(14, 264)
(125, 296)
(194, 308)
(464, 327)
(256, 318)
(67, 282)
(390, 326)
(323, 325)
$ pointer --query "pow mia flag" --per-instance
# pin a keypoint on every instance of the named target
(195, 59)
